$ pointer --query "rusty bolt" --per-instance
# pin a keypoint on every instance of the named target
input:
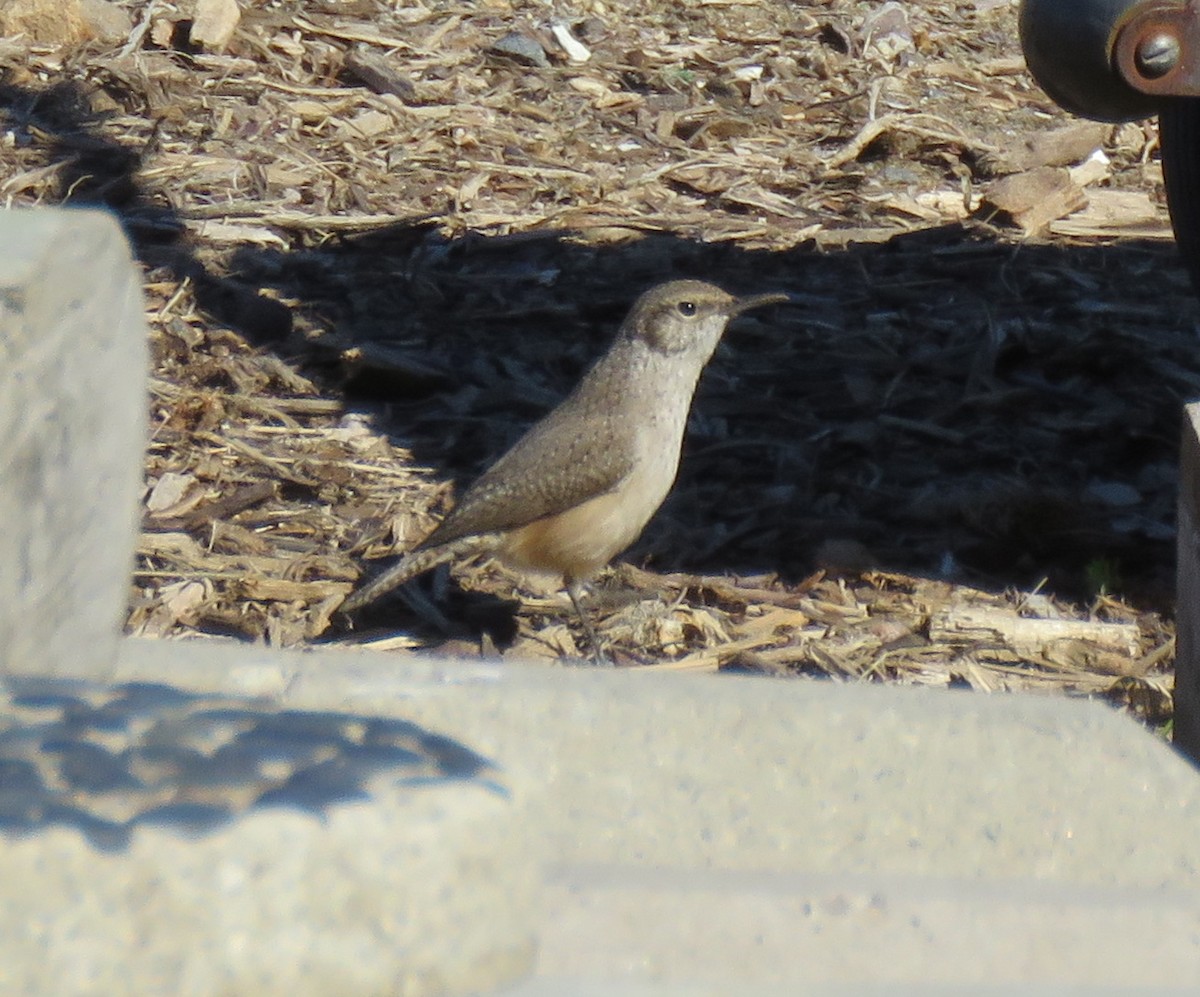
(1157, 54)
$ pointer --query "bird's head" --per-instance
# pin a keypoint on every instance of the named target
(688, 316)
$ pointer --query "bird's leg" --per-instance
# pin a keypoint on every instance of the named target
(575, 591)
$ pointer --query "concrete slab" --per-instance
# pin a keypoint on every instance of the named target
(156, 842)
(72, 437)
(723, 834)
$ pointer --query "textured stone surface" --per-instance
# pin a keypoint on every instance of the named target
(153, 841)
(719, 930)
(72, 437)
(710, 835)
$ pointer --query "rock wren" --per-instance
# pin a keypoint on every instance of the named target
(580, 485)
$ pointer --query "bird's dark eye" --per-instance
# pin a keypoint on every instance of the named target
(687, 308)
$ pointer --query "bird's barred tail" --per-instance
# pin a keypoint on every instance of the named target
(411, 565)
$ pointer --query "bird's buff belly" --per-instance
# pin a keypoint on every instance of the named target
(579, 542)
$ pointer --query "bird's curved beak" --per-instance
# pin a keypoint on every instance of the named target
(740, 305)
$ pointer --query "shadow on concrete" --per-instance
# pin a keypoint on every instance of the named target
(108, 760)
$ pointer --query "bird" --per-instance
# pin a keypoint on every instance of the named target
(579, 487)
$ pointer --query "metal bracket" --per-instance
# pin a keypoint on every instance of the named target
(1157, 48)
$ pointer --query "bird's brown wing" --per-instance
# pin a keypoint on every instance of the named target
(567, 458)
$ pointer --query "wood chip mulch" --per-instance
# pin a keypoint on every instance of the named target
(380, 239)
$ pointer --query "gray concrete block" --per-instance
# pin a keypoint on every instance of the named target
(713, 834)
(721, 930)
(72, 438)
(154, 842)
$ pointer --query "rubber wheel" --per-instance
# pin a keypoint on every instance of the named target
(1068, 48)
(1179, 135)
